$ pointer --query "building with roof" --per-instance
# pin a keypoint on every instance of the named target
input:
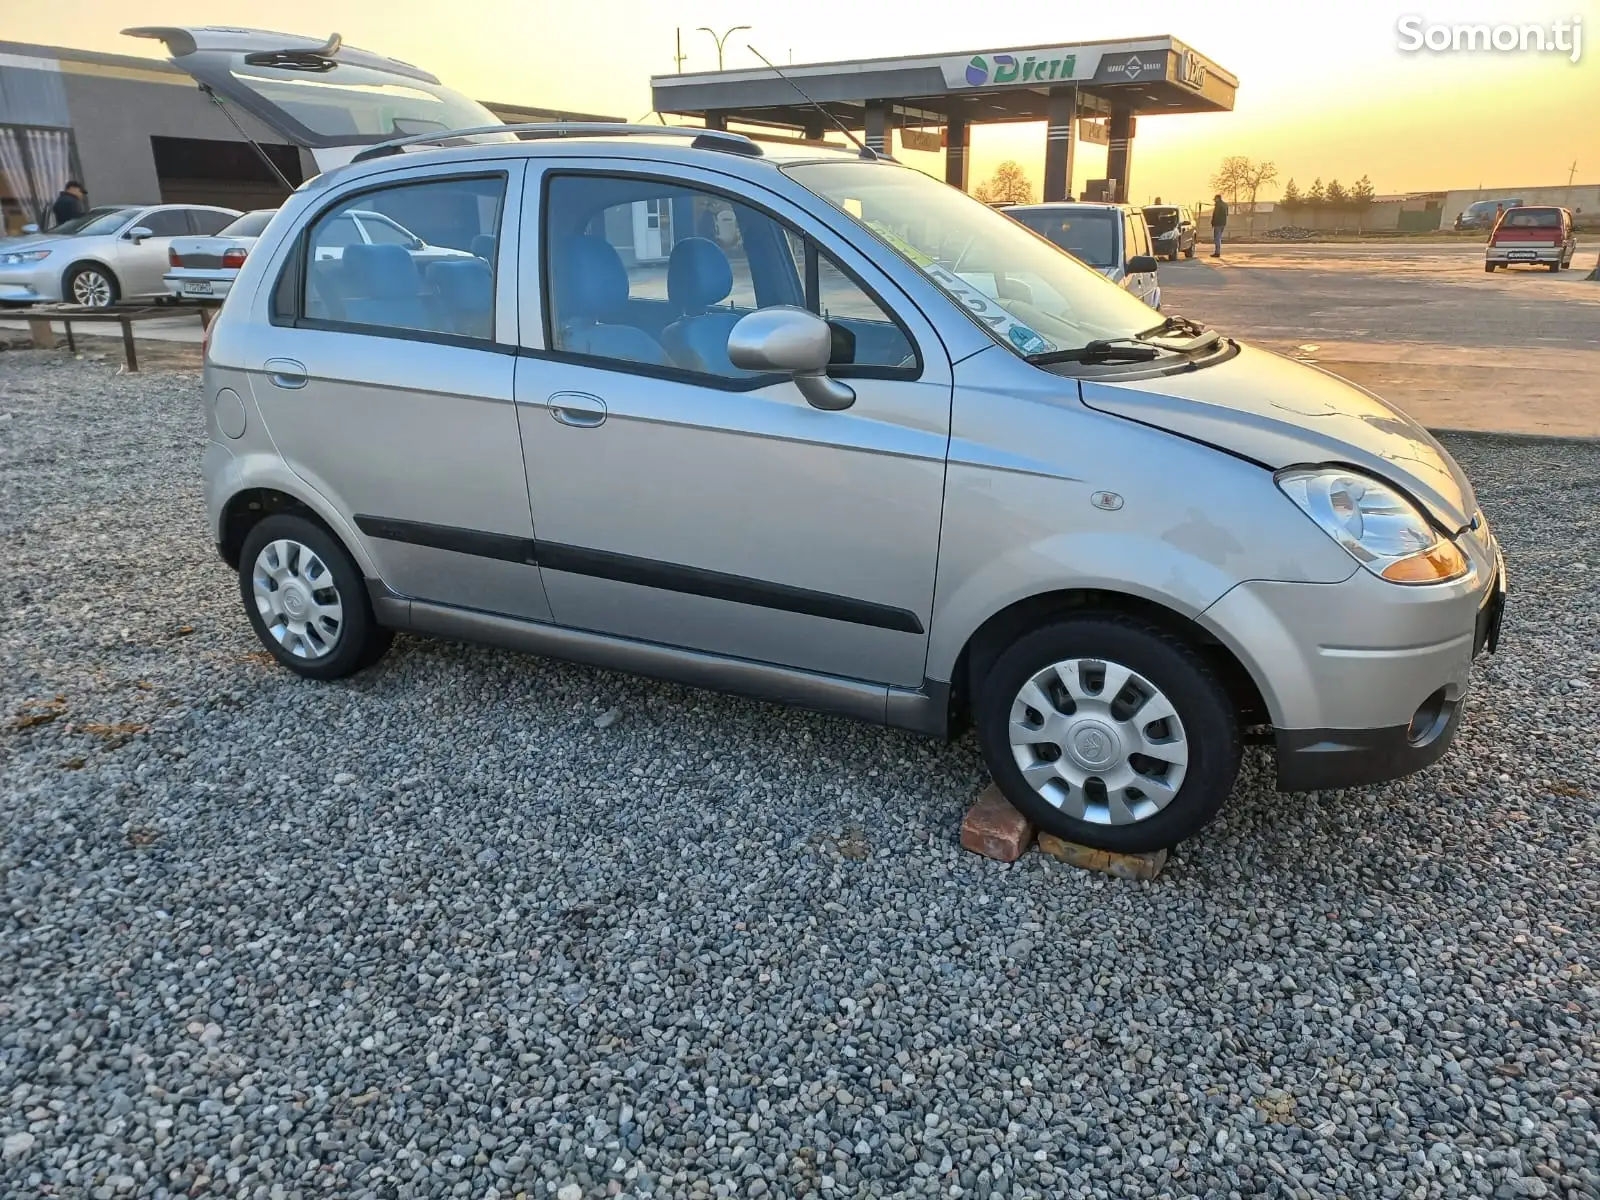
(139, 131)
(1097, 90)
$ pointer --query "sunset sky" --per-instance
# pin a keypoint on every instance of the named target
(1324, 90)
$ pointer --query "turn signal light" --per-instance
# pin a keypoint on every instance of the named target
(1441, 561)
(233, 258)
(174, 259)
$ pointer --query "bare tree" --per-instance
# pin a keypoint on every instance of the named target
(1239, 177)
(1008, 185)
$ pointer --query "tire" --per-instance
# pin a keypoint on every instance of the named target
(93, 280)
(296, 563)
(1489, 267)
(1554, 267)
(1172, 257)
(1190, 252)
(1156, 666)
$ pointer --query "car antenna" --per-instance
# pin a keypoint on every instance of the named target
(866, 150)
(255, 145)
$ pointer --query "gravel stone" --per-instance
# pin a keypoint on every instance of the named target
(256, 946)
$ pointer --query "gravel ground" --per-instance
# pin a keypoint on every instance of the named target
(384, 939)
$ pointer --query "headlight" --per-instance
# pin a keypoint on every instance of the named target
(25, 256)
(1377, 526)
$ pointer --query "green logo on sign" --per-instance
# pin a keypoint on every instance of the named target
(1008, 70)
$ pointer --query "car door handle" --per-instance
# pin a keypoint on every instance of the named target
(285, 373)
(578, 409)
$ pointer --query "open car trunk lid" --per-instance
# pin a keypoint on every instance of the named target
(317, 93)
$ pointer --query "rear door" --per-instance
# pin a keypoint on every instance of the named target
(386, 383)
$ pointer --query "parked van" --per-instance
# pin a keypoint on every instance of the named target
(1114, 239)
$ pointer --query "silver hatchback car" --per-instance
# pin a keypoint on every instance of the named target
(812, 427)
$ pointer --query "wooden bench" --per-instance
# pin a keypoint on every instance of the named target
(41, 327)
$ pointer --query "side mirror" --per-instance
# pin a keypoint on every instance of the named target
(1141, 264)
(138, 234)
(796, 342)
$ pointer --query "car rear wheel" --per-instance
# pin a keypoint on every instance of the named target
(1489, 267)
(92, 287)
(1108, 732)
(306, 599)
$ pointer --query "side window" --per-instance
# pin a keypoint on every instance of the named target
(381, 231)
(410, 258)
(649, 272)
(653, 273)
(1137, 235)
(166, 222)
(864, 335)
(205, 222)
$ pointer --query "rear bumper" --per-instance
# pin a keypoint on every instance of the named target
(1510, 255)
(204, 285)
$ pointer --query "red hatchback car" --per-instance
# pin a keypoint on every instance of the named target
(1532, 235)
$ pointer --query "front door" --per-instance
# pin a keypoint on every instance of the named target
(682, 501)
(386, 384)
(141, 265)
(1136, 242)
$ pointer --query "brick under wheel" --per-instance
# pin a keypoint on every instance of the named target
(1109, 732)
(306, 599)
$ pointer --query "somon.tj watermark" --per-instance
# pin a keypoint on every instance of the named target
(1553, 37)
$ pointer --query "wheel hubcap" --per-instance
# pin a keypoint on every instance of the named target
(296, 597)
(1098, 741)
(92, 289)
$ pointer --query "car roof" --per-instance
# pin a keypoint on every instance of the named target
(1064, 205)
(667, 149)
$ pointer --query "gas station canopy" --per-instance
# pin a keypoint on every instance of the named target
(1059, 84)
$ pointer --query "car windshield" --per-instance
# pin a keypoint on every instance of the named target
(94, 222)
(249, 225)
(1028, 294)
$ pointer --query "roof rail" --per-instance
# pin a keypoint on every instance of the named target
(703, 139)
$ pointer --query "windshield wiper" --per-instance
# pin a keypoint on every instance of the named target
(1174, 324)
(1195, 335)
(1101, 350)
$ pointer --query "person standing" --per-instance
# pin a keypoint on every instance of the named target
(1219, 222)
(70, 203)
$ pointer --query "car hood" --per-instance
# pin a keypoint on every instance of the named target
(27, 241)
(1283, 413)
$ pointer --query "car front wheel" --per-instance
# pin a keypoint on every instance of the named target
(306, 599)
(92, 287)
(1108, 732)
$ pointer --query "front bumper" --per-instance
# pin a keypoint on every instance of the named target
(31, 283)
(1364, 680)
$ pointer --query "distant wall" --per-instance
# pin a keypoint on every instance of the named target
(1583, 199)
